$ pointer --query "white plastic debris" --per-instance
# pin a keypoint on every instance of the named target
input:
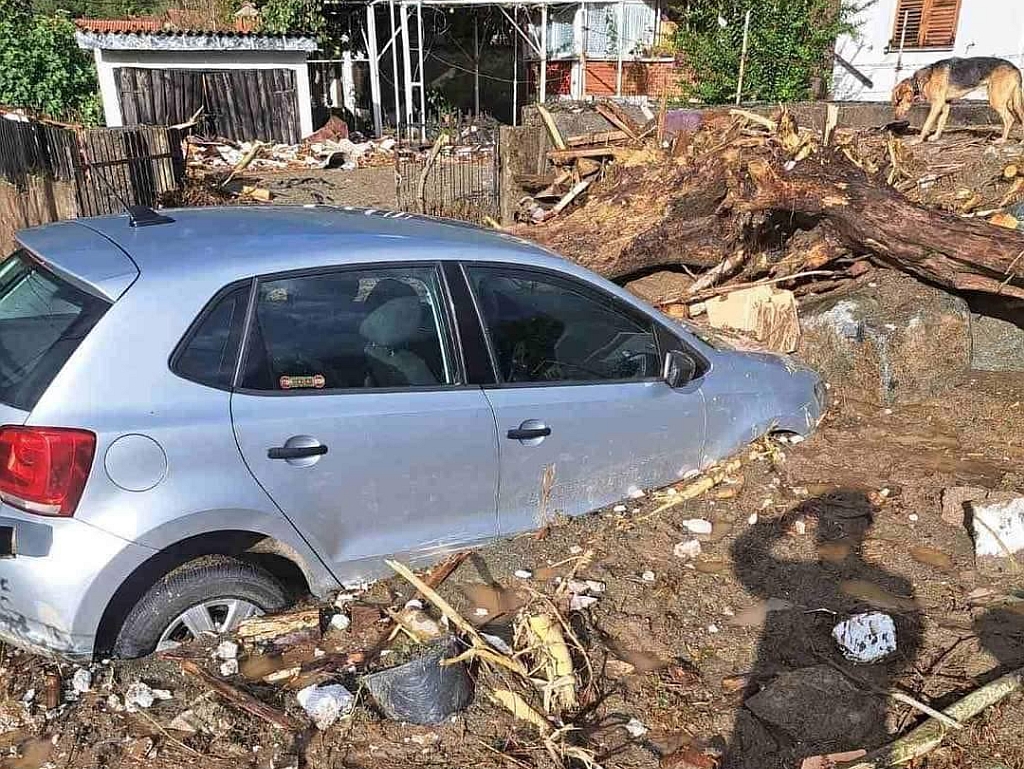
(671, 491)
(114, 703)
(326, 704)
(580, 602)
(752, 519)
(697, 526)
(81, 681)
(619, 509)
(647, 576)
(227, 650)
(28, 696)
(414, 603)
(343, 598)
(229, 668)
(800, 527)
(866, 637)
(575, 549)
(913, 517)
(636, 494)
(141, 696)
(340, 622)
(689, 548)
(999, 527)
(636, 728)
(523, 573)
(712, 628)
(480, 611)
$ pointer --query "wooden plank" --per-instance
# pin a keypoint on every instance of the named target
(289, 97)
(231, 121)
(252, 105)
(612, 116)
(556, 137)
(158, 80)
(241, 699)
(264, 85)
(567, 156)
(597, 137)
(128, 95)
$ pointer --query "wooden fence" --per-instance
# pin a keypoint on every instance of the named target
(49, 173)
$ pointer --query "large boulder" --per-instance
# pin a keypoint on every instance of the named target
(998, 345)
(892, 340)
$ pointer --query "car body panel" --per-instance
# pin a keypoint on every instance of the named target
(414, 473)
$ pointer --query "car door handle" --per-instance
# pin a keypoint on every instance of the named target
(296, 452)
(526, 433)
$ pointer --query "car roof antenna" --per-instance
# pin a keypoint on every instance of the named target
(138, 216)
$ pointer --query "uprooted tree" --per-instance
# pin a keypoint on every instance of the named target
(775, 205)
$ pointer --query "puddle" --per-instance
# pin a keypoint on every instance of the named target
(872, 594)
(931, 556)
(711, 567)
(255, 668)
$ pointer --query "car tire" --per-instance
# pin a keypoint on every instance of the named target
(197, 583)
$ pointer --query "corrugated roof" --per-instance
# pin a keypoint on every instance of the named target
(170, 39)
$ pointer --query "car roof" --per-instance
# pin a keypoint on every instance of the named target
(260, 239)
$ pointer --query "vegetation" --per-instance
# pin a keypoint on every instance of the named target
(41, 66)
(788, 50)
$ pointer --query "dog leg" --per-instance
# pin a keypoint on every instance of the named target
(933, 115)
(943, 117)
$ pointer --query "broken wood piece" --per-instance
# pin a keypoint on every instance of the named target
(615, 116)
(568, 198)
(596, 137)
(240, 699)
(556, 137)
(435, 150)
(431, 595)
(753, 117)
(272, 626)
(243, 162)
(930, 734)
(256, 193)
(520, 709)
(712, 478)
(767, 313)
(587, 167)
(723, 269)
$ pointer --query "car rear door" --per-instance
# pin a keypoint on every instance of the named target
(584, 417)
(352, 413)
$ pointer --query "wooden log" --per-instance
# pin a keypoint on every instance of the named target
(241, 699)
(614, 115)
(958, 253)
(567, 156)
(556, 137)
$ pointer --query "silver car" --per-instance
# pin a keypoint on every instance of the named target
(210, 412)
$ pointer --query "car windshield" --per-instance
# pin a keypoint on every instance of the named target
(43, 319)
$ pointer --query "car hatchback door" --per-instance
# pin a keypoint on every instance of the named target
(584, 416)
(352, 415)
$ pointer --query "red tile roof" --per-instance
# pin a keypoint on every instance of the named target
(120, 25)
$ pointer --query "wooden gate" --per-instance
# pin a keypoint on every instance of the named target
(238, 104)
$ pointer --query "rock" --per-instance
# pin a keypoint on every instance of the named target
(523, 574)
(325, 704)
(953, 500)
(229, 668)
(421, 624)
(580, 602)
(340, 621)
(647, 576)
(697, 526)
(207, 716)
(998, 527)
(816, 704)
(635, 728)
(866, 637)
(81, 681)
(896, 337)
(687, 549)
(996, 344)
(141, 696)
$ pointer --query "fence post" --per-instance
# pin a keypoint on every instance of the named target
(743, 57)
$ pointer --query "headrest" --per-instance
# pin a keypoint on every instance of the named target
(394, 323)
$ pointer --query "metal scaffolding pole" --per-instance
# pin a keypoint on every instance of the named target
(374, 60)
(542, 93)
(394, 63)
(476, 64)
(422, 74)
(515, 79)
(620, 43)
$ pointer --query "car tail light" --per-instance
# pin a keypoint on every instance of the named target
(43, 470)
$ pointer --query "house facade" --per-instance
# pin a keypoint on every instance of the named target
(598, 49)
(896, 37)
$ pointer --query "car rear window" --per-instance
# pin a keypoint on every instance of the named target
(43, 319)
(209, 351)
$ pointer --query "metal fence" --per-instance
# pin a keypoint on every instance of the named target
(452, 173)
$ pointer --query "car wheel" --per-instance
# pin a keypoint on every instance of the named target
(209, 595)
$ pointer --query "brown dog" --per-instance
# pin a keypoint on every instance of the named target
(953, 78)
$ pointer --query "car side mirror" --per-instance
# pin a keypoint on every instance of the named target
(679, 368)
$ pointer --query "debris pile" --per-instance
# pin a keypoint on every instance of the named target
(221, 154)
(764, 206)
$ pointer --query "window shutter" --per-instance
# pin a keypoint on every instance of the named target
(939, 23)
(913, 12)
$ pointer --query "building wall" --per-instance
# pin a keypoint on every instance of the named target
(986, 28)
(654, 78)
(109, 60)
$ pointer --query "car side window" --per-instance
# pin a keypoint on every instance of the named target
(359, 328)
(544, 328)
(210, 350)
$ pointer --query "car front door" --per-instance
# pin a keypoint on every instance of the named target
(352, 414)
(584, 416)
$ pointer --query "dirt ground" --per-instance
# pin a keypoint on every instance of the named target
(810, 537)
(370, 187)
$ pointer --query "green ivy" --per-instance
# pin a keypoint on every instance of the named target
(41, 66)
(788, 49)
(283, 16)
